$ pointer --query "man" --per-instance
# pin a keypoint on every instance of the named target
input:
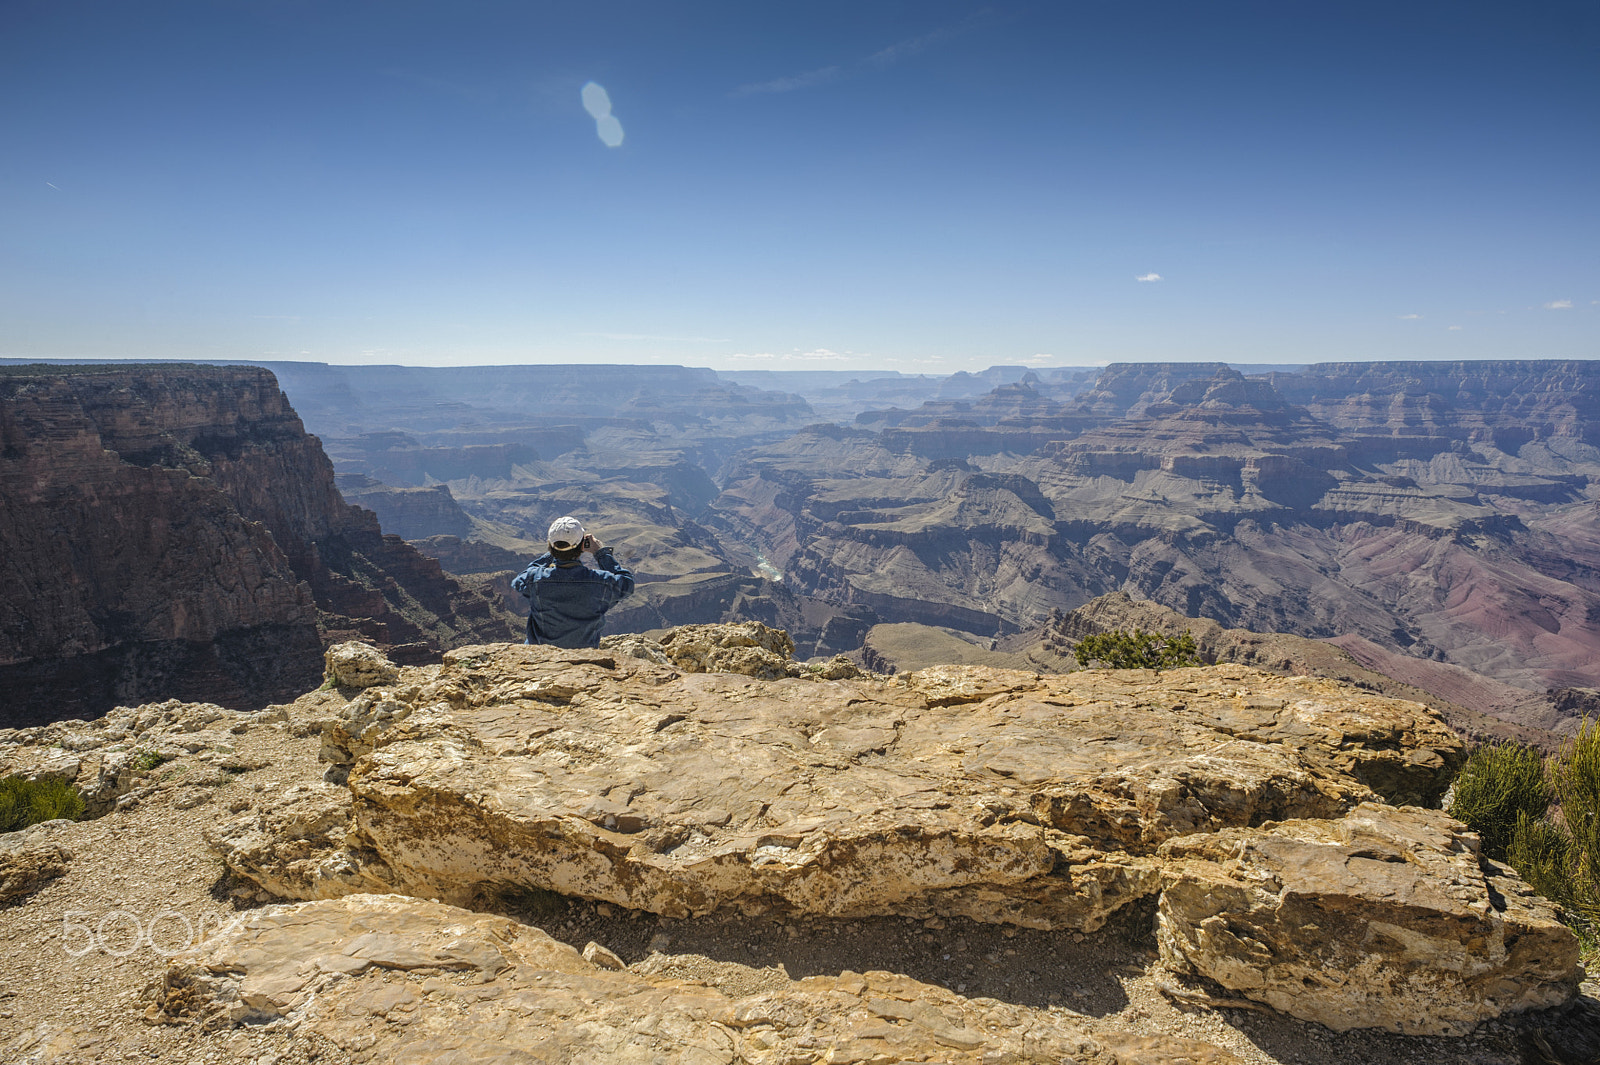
(570, 600)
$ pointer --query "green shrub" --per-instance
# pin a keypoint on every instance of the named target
(1504, 793)
(1501, 784)
(1541, 853)
(27, 802)
(1576, 775)
(145, 759)
(1121, 649)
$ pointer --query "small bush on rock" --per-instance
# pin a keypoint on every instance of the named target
(28, 802)
(1506, 794)
(1501, 785)
(145, 759)
(1576, 775)
(1121, 649)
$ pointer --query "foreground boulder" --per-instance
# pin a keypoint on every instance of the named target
(997, 795)
(1353, 922)
(989, 794)
(357, 665)
(31, 858)
(1004, 797)
(399, 980)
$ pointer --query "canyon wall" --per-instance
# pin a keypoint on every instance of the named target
(1446, 515)
(173, 531)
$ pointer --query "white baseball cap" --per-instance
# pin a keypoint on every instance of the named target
(565, 533)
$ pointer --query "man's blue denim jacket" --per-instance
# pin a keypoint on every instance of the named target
(569, 600)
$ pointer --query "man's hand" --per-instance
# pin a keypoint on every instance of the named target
(590, 544)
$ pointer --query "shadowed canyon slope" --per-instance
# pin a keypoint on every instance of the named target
(173, 531)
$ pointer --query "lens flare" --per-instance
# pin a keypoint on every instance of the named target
(597, 102)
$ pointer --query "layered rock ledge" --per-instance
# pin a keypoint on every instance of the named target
(1354, 922)
(1047, 802)
(406, 981)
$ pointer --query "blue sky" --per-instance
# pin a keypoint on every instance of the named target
(922, 186)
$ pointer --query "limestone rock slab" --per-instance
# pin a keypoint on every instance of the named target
(992, 794)
(298, 845)
(747, 647)
(358, 665)
(1385, 918)
(31, 858)
(399, 980)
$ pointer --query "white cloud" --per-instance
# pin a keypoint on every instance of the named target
(1409, 317)
(910, 46)
(1036, 359)
(819, 355)
(1453, 328)
(883, 57)
(1558, 305)
(662, 339)
(1148, 277)
(799, 81)
(474, 94)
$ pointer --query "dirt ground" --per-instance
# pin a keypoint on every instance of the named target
(76, 956)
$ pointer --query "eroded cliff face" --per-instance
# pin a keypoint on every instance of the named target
(1506, 402)
(412, 513)
(174, 531)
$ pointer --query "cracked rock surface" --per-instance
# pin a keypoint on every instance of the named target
(956, 791)
(1047, 802)
(399, 980)
(1353, 922)
(1186, 778)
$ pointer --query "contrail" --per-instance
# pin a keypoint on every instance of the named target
(53, 185)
